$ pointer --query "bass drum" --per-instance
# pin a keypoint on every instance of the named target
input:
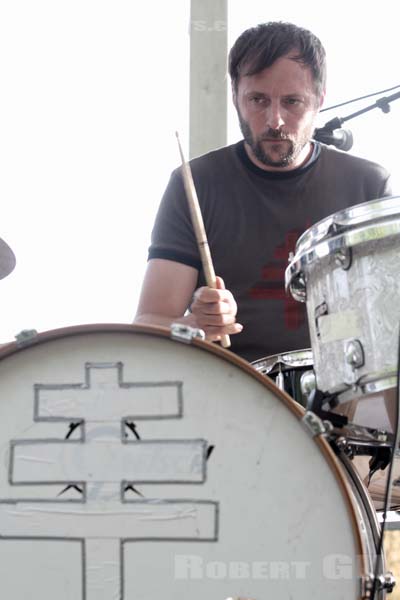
(135, 466)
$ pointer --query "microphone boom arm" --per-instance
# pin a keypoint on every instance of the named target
(382, 103)
(327, 133)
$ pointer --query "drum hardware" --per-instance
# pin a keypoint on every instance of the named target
(185, 333)
(314, 424)
(361, 439)
(381, 454)
(370, 584)
(380, 460)
(381, 436)
(320, 311)
(384, 383)
(364, 388)
(280, 381)
(343, 258)
(341, 445)
(314, 403)
(315, 398)
(354, 358)
(384, 583)
(287, 370)
(297, 359)
(328, 427)
(354, 354)
(351, 311)
(25, 337)
(307, 383)
(368, 440)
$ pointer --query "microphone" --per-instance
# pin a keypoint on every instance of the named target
(341, 138)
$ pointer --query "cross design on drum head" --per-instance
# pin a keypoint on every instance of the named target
(103, 462)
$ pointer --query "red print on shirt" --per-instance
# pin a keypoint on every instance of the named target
(272, 285)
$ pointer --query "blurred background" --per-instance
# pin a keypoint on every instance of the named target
(92, 94)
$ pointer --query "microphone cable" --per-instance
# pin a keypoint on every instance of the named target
(378, 562)
(360, 98)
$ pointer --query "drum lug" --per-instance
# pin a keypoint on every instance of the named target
(390, 582)
(343, 258)
(308, 383)
(299, 287)
(354, 354)
(280, 381)
(320, 311)
(295, 280)
(25, 337)
(366, 582)
(185, 334)
(314, 424)
(383, 582)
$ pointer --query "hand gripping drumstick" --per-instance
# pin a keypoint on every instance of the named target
(198, 226)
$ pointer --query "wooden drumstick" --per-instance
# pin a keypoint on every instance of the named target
(200, 232)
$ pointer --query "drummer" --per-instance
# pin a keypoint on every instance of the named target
(257, 197)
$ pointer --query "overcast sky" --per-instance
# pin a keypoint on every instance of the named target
(92, 92)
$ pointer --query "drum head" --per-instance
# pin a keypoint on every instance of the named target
(134, 466)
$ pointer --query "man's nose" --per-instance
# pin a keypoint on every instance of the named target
(274, 115)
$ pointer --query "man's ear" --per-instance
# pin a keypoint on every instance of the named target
(234, 95)
(322, 98)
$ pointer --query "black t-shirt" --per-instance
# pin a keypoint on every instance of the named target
(253, 219)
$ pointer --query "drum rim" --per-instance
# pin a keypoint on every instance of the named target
(164, 332)
(297, 358)
(345, 220)
(364, 495)
(369, 221)
(295, 278)
(37, 338)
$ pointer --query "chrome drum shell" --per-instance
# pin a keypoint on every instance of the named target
(347, 270)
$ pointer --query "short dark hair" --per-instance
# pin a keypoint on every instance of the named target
(259, 47)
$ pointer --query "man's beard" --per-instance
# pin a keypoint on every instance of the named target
(289, 151)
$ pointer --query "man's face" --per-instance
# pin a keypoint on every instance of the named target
(277, 109)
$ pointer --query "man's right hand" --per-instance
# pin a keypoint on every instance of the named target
(214, 310)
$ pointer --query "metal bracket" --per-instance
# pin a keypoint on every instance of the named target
(383, 582)
(185, 334)
(320, 311)
(343, 258)
(354, 354)
(366, 585)
(25, 337)
(313, 423)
